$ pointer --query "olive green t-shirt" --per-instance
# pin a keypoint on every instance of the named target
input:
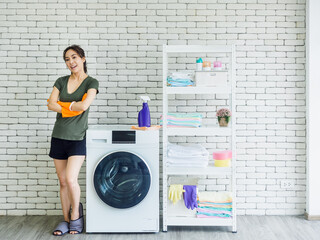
(72, 128)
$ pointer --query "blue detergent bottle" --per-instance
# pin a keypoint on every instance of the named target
(144, 114)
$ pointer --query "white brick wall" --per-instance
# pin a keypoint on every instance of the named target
(123, 42)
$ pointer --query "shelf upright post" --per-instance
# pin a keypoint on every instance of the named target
(164, 137)
(233, 140)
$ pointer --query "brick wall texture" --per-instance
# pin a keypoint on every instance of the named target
(123, 42)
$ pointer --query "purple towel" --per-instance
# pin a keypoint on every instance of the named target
(190, 196)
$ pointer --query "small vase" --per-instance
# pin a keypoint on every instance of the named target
(223, 121)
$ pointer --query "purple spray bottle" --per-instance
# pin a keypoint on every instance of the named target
(144, 115)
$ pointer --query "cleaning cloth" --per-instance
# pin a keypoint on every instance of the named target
(175, 192)
(190, 196)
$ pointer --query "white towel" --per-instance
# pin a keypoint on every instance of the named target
(193, 150)
(187, 159)
(200, 164)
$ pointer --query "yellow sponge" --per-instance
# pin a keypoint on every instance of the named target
(222, 163)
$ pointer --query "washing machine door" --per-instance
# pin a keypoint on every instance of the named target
(122, 179)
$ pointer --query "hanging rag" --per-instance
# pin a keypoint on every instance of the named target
(175, 192)
(190, 196)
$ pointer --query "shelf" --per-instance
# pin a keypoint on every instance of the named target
(225, 90)
(210, 170)
(198, 90)
(213, 71)
(197, 49)
(193, 221)
(213, 130)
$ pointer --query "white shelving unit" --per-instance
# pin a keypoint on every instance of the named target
(213, 130)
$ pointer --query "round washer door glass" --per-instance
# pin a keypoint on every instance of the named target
(122, 179)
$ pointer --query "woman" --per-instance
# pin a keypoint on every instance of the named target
(70, 98)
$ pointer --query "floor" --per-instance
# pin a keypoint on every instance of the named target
(249, 227)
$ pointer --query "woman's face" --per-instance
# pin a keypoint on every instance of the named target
(74, 62)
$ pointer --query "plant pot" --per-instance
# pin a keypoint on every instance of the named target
(223, 121)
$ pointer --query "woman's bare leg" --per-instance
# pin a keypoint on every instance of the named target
(72, 173)
(61, 167)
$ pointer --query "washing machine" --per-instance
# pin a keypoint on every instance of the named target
(122, 193)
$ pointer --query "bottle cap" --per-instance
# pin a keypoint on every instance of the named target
(199, 60)
(145, 98)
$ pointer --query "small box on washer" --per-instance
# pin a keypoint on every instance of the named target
(212, 78)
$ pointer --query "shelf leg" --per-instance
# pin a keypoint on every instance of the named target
(234, 228)
(165, 228)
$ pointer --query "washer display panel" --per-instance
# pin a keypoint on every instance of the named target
(122, 179)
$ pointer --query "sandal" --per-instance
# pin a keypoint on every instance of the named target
(62, 227)
(78, 224)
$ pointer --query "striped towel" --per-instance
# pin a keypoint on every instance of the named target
(179, 82)
(180, 79)
(214, 205)
(183, 120)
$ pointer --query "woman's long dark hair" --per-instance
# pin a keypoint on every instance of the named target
(80, 52)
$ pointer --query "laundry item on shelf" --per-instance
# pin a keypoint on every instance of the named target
(191, 155)
(183, 120)
(190, 196)
(152, 127)
(175, 192)
(180, 79)
(215, 197)
(222, 158)
(214, 205)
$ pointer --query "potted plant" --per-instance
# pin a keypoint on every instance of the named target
(223, 115)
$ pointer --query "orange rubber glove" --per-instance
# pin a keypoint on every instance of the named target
(65, 108)
(66, 111)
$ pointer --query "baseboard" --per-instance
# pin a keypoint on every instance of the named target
(312, 217)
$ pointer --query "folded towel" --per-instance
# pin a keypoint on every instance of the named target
(211, 204)
(213, 211)
(217, 208)
(190, 150)
(180, 79)
(187, 159)
(187, 165)
(209, 215)
(215, 197)
(186, 120)
(179, 82)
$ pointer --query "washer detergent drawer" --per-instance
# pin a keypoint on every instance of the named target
(96, 138)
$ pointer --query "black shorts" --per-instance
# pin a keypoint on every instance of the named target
(62, 149)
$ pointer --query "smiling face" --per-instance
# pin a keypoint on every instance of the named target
(74, 62)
